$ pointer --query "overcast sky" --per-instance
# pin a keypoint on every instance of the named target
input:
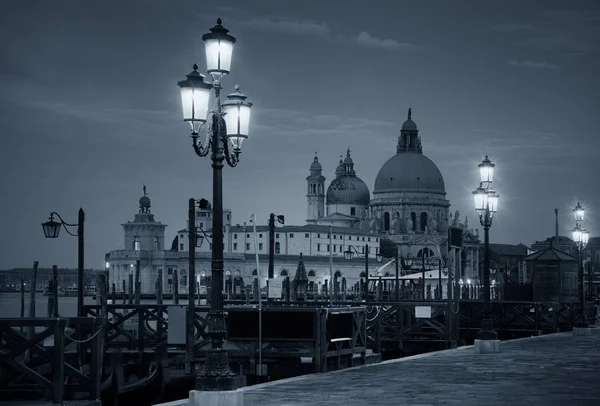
(90, 110)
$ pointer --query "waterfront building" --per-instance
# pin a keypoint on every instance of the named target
(408, 207)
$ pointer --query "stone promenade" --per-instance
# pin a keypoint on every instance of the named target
(558, 369)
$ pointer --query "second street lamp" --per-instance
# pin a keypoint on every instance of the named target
(581, 237)
(51, 230)
(228, 126)
(486, 205)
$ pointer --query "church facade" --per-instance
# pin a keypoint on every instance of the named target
(408, 206)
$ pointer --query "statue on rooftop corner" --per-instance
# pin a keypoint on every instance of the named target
(455, 221)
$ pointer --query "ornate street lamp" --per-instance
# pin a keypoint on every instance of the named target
(486, 205)
(52, 229)
(581, 237)
(228, 126)
(350, 253)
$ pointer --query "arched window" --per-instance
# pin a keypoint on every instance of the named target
(413, 217)
(427, 251)
(337, 275)
(386, 221)
(423, 221)
(226, 273)
(363, 275)
(311, 274)
(284, 273)
(237, 273)
(277, 247)
(254, 273)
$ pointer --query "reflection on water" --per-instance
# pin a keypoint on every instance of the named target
(10, 304)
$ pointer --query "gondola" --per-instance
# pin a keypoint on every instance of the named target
(146, 391)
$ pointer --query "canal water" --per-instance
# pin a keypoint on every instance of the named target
(10, 304)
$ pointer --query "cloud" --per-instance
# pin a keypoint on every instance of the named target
(296, 27)
(510, 27)
(323, 30)
(532, 64)
(366, 39)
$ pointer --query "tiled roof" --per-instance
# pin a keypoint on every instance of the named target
(550, 254)
(509, 249)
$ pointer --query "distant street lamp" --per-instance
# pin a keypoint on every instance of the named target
(351, 252)
(228, 127)
(52, 229)
(486, 204)
(581, 237)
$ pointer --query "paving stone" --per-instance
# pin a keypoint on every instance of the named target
(558, 369)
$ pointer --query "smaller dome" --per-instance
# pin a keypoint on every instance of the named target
(144, 202)
(348, 189)
(316, 166)
(409, 125)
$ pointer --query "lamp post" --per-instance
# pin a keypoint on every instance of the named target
(351, 252)
(581, 237)
(486, 204)
(52, 229)
(228, 125)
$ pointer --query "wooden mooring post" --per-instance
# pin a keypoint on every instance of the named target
(138, 283)
(175, 288)
(22, 301)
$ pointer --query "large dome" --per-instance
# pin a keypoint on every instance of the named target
(348, 189)
(409, 171)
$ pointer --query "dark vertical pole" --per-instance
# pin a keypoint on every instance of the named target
(581, 319)
(271, 245)
(130, 288)
(217, 372)
(22, 301)
(55, 291)
(487, 327)
(423, 272)
(32, 293)
(124, 292)
(138, 283)
(191, 285)
(398, 259)
(80, 253)
(175, 287)
(440, 277)
(366, 272)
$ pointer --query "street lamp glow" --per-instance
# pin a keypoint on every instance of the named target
(585, 236)
(486, 170)
(107, 265)
(578, 212)
(577, 234)
(219, 49)
(237, 117)
(480, 199)
(51, 228)
(195, 94)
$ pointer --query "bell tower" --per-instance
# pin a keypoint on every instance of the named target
(315, 196)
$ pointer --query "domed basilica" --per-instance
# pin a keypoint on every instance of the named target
(408, 206)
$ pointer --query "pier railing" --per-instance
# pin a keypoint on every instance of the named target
(46, 360)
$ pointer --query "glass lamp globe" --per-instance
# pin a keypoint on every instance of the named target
(578, 211)
(237, 118)
(486, 170)
(195, 94)
(219, 49)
